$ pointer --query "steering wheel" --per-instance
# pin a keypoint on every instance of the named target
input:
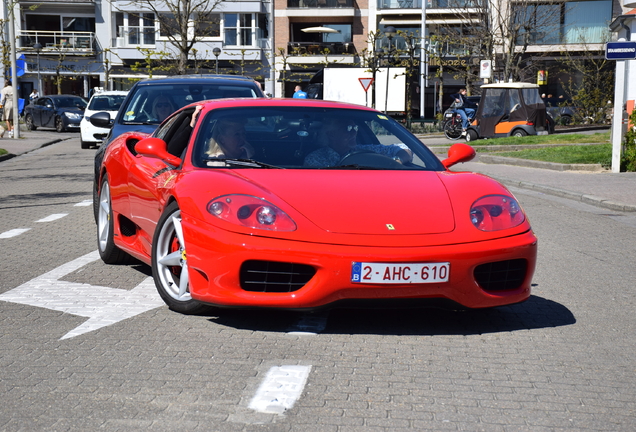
(351, 154)
(369, 158)
(515, 108)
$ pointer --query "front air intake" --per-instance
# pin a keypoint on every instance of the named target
(501, 275)
(274, 277)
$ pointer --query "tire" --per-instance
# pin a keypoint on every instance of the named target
(452, 130)
(170, 264)
(85, 145)
(519, 133)
(471, 135)
(108, 252)
(59, 125)
(29, 122)
(565, 120)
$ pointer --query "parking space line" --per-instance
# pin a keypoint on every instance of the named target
(13, 232)
(52, 217)
(280, 389)
(84, 203)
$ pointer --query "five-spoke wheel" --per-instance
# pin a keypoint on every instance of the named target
(170, 263)
(108, 252)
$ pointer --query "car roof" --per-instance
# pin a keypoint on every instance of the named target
(196, 78)
(279, 102)
(510, 85)
(55, 96)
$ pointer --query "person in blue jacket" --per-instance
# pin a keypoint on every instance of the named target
(299, 93)
(464, 107)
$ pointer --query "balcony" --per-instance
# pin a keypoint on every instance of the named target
(320, 48)
(305, 4)
(430, 4)
(56, 42)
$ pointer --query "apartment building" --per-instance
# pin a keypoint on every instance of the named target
(281, 43)
(84, 44)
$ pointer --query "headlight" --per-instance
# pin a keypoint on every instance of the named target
(251, 212)
(73, 116)
(496, 212)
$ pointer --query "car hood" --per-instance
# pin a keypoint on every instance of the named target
(363, 202)
(71, 110)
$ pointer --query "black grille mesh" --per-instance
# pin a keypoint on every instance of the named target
(501, 275)
(271, 276)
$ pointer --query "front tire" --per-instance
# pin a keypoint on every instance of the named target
(452, 130)
(471, 135)
(29, 122)
(59, 125)
(170, 263)
(85, 145)
(108, 251)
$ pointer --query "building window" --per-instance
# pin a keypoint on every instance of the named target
(208, 26)
(239, 29)
(136, 28)
(569, 23)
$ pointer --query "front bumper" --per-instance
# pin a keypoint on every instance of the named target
(215, 258)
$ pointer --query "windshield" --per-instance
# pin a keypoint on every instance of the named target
(71, 102)
(106, 102)
(308, 138)
(153, 103)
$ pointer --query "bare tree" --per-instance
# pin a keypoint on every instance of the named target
(500, 31)
(182, 22)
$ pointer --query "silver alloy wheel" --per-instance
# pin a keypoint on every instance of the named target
(103, 217)
(171, 260)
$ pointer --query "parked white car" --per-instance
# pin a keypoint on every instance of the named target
(105, 101)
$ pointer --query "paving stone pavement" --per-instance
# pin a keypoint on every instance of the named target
(563, 360)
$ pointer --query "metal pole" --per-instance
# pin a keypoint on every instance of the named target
(14, 74)
(423, 61)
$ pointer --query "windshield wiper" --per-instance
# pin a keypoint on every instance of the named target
(242, 163)
(352, 166)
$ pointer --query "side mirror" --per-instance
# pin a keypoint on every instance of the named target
(156, 148)
(102, 120)
(458, 153)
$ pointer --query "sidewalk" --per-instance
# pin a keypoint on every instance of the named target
(28, 141)
(614, 191)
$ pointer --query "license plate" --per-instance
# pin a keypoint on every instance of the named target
(399, 273)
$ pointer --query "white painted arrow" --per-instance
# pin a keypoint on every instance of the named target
(102, 305)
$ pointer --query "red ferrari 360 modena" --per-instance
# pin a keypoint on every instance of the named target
(299, 204)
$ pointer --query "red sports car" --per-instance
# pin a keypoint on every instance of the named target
(288, 203)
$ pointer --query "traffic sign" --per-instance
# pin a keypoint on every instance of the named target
(620, 50)
(366, 83)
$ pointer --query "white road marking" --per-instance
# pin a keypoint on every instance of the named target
(280, 389)
(84, 203)
(13, 232)
(53, 217)
(102, 306)
(310, 324)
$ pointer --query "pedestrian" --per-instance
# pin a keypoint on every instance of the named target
(299, 93)
(6, 99)
(34, 95)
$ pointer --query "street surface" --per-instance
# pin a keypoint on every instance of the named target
(87, 346)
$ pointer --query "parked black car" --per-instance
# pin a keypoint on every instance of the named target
(138, 111)
(62, 112)
(562, 110)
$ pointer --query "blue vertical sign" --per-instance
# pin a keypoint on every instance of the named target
(620, 50)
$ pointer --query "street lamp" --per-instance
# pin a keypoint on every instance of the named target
(37, 47)
(390, 33)
(217, 51)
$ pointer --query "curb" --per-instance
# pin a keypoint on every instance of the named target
(490, 159)
(44, 144)
(576, 196)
